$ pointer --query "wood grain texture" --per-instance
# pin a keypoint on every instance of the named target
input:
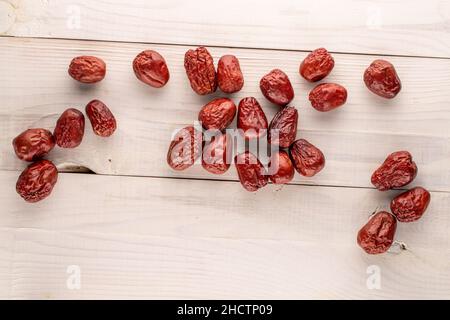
(355, 138)
(399, 27)
(172, 238)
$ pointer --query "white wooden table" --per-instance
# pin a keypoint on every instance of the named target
(136, 229)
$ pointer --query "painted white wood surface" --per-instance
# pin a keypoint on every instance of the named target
(355, 138)
(401, 27)
(178, 238)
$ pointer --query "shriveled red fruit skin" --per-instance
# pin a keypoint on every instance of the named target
(308, 160)
(33, 144)
(251, 118)
(151, 68)
(69, 130)
(102, 120)
(229, 74)
(217, 114)
(277, 87)
(199, 65)
(397, 171)
(185, 148)
(87, 69)
(378, 234)
(217, 155)
(251, 172)
(328, 96)
(282, 167)
(410, 205)
(37, 181)
(317, 65)
(285, 124)
(382, 79)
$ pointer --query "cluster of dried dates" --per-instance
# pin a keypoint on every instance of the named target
(37, 181)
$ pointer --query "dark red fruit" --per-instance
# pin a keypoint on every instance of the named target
(200, 70)
(317, 65)
(283, 127)
(217, 155)
(252, 174)
(378, 234)
(277, 87)
(37, 181)
(217, 114)
(397, 171)
(69, 130)
(33, 144)
(251, 118)
(185, 148)
(308, 159)
(281, 169)
(102, 120)
(87, 69)
(381, 78)
(151, 68)
(229, 74)
(328, 96)
(410, 205)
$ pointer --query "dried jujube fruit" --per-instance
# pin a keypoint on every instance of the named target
(101, 118)
(281, 169)
(317, 65)
(251, 172)
(277, 87)
(229, 74)
(151, 68)
(37, 181)
(185, 148)
(217, 155)
(283, 127)
(397, 171)
(308, 159)
(378, 234)
(199, 65)
(87, 69)
(410, 205)
(217, 114)
(251, 118)
(33, 144)
(381, 78)
(328, 96)
(69, 130)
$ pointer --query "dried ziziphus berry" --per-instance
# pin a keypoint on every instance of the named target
(151, 68)
(378, 234)
(381, 78)
(33, 144)
(37, 181)
(317, 65)
(69, 130)
(283, 127)
(101, 118)
(87, 69)
(397, 171)
(251, 172)
(217, 155)
(328, 96)
(229, 74)
(185, 148)
(410, 205)
(277, 87)
(251, 118)
(217, 114)
(281, 169)
(308, 159)
(200, 71)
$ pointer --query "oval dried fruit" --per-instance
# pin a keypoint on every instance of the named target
(217, 114)
(69, 130)
(283, 127)
(251, 172)
(102, 120)
(185, 148)
(229, 74)
(277, 87)
(381, 78)
(308, 159)
(378, 234)
(251, 118)
(217, 155)
(281, 169)
(33, 144)
(199, 65)
(317, 65)
(410, 205)
(151, 68)
(37, 181)
(397, 171)
(87, 69)
(328, 96)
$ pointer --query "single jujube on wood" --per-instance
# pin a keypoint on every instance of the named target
(251, 172)
(217, 114)
(33, 144)
(229, 74)
(281, 169)
(283, 127)
(410, 205)
(317, 65)
(151, 68)
(217, 155)
(200, 71)
(185, 148)
(87, 69)
(37, 181)
(397, 171)
(251, 118)
(102, 120)
(69, 130)
(381, 78)
(378, 234)
(328, 96)
(277, 87)
(308, 159)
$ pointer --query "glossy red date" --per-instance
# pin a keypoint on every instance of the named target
(217, 114)
(69, 130)
(199, 65)
(308, 159)
(217, 155)
(102, 120)
(277, 87)
(229, 74)
(87, 69)
(151, 68)
(33, 144)
(410, 205)
(251, 118)
(317, 65)
(37, 181)
(381, 78)
(251, 172)
(283, 127)
(185, 148)
(328, 96)
(397, 171)
(281, 169)
(378, 234)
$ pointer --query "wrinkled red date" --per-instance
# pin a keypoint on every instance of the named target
(87, 69)
(317, 65)
(277, 87)
(281, 169)
(69, 130)
(101, 118)
(410, 205)
(33, 144)
(382, 79)
(185, 148)
(283, 127)
(229, 74)
(251, 172)
(251, 118)
(308, 159)
(151, 68)
(378, 234)
(217, 154)
(398, 170)
(328, 96)
(217, 114)
(37, 181)
(200, 71)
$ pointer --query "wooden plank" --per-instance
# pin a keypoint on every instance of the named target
(401, 27)
(356, 138)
